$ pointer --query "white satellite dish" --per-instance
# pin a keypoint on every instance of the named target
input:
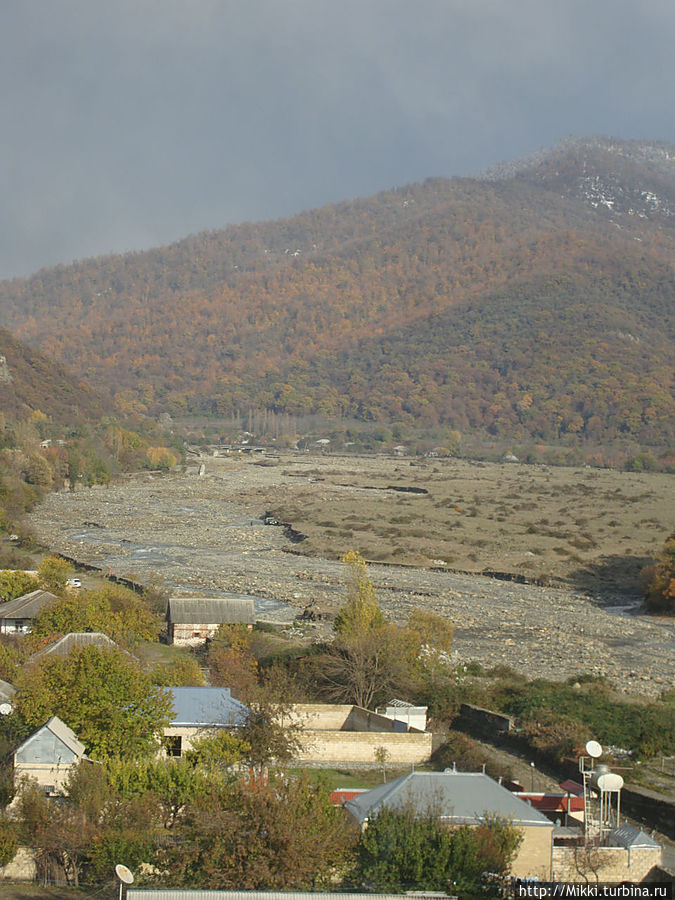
(593, 749)
(126, 876)
(5, 709)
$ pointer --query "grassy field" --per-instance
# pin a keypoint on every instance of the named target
(591, 527)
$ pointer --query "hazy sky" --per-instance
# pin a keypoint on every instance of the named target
(132, 123)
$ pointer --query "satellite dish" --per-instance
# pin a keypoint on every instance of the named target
(126, 876)
(5, 709)
(594, 749)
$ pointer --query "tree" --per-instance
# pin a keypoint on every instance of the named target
(15, 583)
(9, 842)
(368, 658)
(283, 835)
(661, 590)
(231, 663)
(361, 612)
(103, 695)
(270, 731)
(181, 671)
(113, 610)
(173, 783)
(401, 850)
(53, 573)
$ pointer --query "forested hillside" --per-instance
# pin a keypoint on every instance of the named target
(533, 303)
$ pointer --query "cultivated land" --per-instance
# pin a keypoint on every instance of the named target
(583, 534)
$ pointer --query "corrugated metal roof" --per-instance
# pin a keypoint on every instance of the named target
(204, 706)
(232, 609)
(180, 894)
(7, 690)
(459, 798)
(58, 728)
(65, 644)
(27, 606)
(630, 836)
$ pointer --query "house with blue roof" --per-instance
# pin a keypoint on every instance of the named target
(197, 711)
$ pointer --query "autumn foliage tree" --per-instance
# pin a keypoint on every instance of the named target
(661, 590)
(103, 695)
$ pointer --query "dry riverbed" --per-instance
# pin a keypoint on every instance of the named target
(203, 535)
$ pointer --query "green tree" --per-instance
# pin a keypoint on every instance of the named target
(103, 695)
(15, 583)
(361, 612)
(401, 850)
(270, 731)
(113, 610)
(181, 671)
(9, 842)
(53, 573)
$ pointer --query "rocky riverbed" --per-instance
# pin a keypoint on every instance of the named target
(202, 535)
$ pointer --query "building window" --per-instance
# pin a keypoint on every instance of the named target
(173, 745)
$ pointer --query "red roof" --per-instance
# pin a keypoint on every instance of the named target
(553, 802)
(342, 795)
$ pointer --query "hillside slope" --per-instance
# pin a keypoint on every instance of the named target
(29, 383)
(536, 301)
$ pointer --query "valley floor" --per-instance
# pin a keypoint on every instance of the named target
(203, 535)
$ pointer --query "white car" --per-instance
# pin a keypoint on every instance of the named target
(74, 582)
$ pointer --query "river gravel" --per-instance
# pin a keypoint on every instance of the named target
(195, 535)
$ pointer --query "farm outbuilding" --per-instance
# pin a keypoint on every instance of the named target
(193, 620)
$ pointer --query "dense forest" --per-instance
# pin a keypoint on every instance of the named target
(534, 303)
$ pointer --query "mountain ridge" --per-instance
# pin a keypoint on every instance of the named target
(237, 318)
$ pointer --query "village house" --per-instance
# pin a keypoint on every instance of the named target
(193, 620)
(63, 645)
(198, 711)
(16, 616)
(48, 756)
(464, 798)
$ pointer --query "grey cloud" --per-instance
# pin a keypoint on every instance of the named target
(131, 124)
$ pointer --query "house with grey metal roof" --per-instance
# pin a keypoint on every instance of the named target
(197, 711)
(7, 692)
(16, 616)
(48, 755)
(73, 639)
(215, 894)
(193, 620)
(463, 799)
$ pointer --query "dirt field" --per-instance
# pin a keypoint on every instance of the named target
(594, 528)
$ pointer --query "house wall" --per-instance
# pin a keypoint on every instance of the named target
(192, 635)
(612, 864)
(44, 773)
(15, 626)
(533, 859)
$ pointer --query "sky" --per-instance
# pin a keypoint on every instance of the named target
(128, 124)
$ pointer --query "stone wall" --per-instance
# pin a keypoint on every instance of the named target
(484, 720)
(343, 717)
(611, 864)
(361, 747)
